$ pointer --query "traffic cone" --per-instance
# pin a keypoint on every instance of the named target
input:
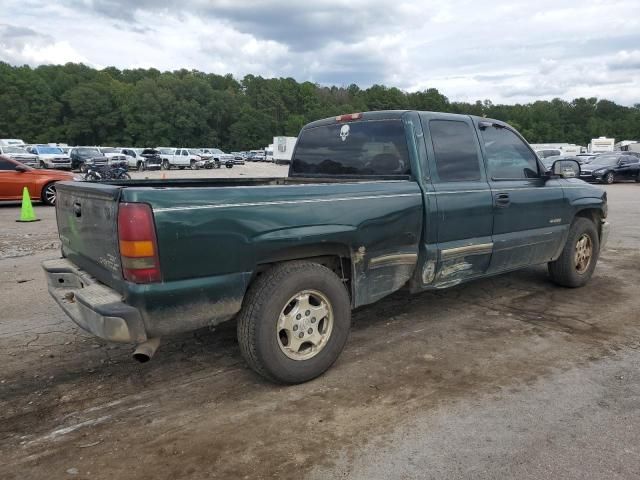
(26, 212)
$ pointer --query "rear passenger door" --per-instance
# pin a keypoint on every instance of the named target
(462, 195)
(530, 214)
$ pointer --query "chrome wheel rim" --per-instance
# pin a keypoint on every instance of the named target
(609, 178)
(584, 252)
(50, 194)
(305, 325)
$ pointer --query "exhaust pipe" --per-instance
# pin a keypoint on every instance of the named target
(144, 352)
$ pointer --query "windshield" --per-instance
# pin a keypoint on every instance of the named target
(216, 151)
(108, 150)
(194, 152)
(85, 152)
(14, 150)
(167, 151)
(46, 150)
(605, 160)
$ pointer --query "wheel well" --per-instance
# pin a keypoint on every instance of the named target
(594, 215)
(338, 264)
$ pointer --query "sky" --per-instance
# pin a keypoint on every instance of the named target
(506, 51)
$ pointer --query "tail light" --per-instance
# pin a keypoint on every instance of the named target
(348, 117)
(138, 243)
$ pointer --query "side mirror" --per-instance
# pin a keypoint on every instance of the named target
(566, 168)
(21, 168)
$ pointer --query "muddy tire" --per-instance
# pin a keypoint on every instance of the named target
(577, 262)
(294, 322)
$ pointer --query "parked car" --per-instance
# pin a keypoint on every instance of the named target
(238, 158)
(357, 219)
(50, 157)
(134, 157)
(611, 167)
(117, 158)
(584, 158)
(166, 153)
(83, 157)
(40, 183)
(19, 154)
(219, 158)
(151, 158)
(548, 152)
(185, 158)
(630, 152)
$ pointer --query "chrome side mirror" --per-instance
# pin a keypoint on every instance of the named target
(566, 168)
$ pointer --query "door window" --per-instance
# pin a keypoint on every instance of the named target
(508, 157)
(456, 151)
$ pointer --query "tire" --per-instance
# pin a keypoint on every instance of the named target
(42, 164)
(124, 176)
(566, 270)
(264, 346)
(140, 166)
(91, 177)
(49, 194)
(166, 165)
(193, 165)
(609, 178)
(229, 165)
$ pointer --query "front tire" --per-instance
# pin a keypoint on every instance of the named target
(193, 165)
(49, 194)
(294, 322)
(578, 259)
(166, 165)
(609, 178)
(140, 166)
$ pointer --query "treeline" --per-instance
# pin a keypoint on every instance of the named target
(79, 105)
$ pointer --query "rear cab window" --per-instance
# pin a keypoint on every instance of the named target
(358, 148)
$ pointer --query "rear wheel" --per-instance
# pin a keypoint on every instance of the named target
(294, 322)
(140, 166)
(49, 194)
(166, 165)
(577, 262)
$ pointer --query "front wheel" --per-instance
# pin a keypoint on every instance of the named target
(294, 322)
(91, 177)
(609, 178)
(49, 194)
(577, 261)
(140, 166)
(124, 176)
(193, 165)
(166, 165)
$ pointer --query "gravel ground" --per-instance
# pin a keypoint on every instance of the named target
(508, 377)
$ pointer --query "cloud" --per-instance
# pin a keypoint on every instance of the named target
(509, 51)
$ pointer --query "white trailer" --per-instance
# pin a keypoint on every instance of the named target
(602, 144)
(283, 149)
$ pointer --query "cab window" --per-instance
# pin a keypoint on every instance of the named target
(508, 157)
(456, 151)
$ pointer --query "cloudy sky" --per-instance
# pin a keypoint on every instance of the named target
(507, 51)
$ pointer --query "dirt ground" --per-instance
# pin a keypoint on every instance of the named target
(508, 377)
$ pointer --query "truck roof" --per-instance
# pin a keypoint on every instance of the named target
(396, 114)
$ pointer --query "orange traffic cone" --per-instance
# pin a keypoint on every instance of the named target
(26, 212)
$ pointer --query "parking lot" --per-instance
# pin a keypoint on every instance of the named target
(508, 377)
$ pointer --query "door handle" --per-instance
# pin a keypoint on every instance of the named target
(502, 200)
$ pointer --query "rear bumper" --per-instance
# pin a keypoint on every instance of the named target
(91, 305)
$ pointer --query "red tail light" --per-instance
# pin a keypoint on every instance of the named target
(138, 243)
(348, 117)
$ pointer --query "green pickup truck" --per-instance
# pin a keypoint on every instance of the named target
(373, 202)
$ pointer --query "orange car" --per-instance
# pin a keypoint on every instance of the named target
(14, 176)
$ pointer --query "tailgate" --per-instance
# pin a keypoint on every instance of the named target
(87, 216)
